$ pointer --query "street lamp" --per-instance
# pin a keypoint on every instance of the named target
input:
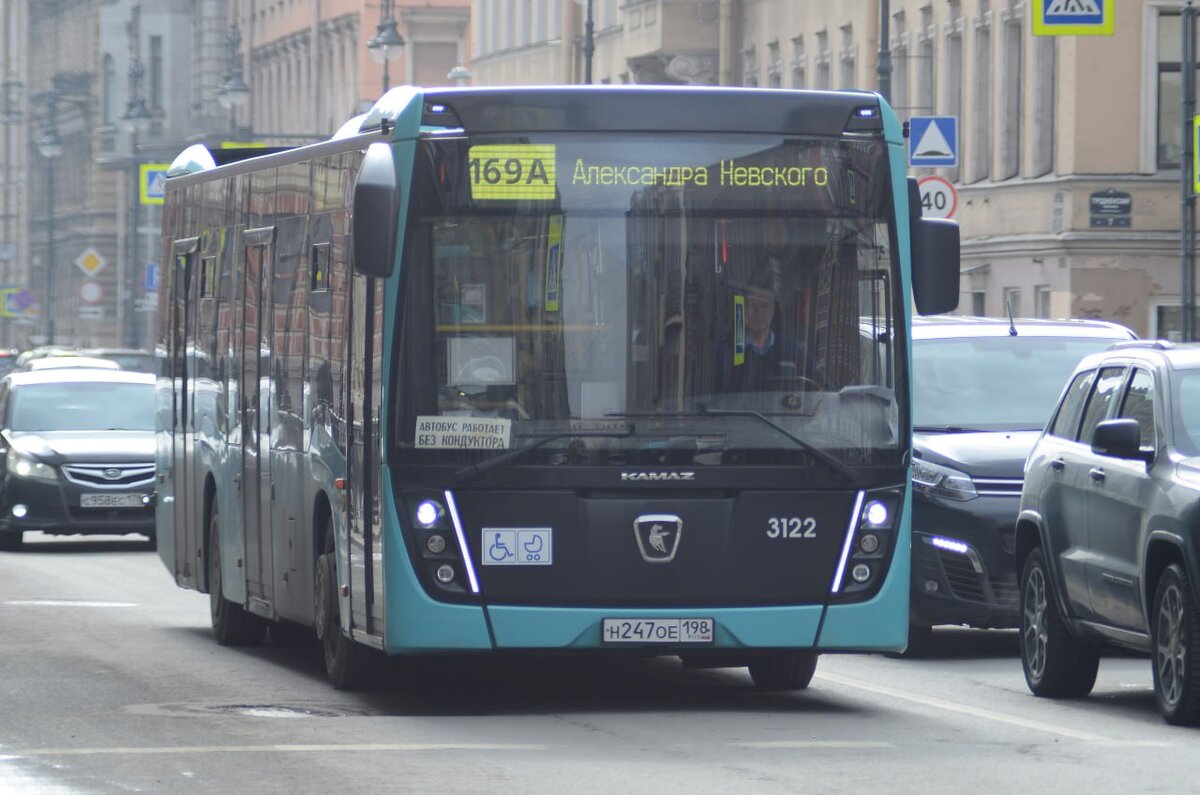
(51, 147)
(234, 91)
(459, 75)
(387, 44)
(589, 40)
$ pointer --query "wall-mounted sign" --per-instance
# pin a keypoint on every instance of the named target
(1110, 208)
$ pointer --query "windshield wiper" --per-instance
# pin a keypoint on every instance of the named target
(833, 462)
(947, 429)
(474, 470)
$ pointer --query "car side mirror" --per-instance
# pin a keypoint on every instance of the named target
(1121, 438)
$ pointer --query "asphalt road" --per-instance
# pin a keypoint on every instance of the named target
(110, 682)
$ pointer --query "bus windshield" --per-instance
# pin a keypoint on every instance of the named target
(624, 300)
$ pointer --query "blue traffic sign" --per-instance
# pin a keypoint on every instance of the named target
(933, 141)
(150, 278)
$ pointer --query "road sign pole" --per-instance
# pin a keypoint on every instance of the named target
(1187, 226)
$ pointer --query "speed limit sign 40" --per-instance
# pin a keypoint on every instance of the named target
(938, 197)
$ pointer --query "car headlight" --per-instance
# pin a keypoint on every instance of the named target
(23, 466)
(941, 481)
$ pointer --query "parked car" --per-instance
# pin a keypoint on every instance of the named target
(983, 389)
(1107, 536)
(60, 362)
(76, 453)
(136, 359)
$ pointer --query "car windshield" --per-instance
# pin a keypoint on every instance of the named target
(664, 291)
(993, 383)
(82, 406)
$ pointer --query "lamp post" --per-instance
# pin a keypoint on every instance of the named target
(51, 147)
(234, 91)
(459, 75)
(387, 44)
(136, 119)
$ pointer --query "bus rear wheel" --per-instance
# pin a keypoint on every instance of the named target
(785, 670)
(232, 624)
(346, 662)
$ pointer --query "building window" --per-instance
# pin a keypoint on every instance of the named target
(774, 66)
(110, 90)
(899, 45)
(749, 67)
(156, 72)
(1041, 300)
(799, 62)
(1012, 301)
(849, 58)
(981, 96)
(432, 61)
(925, 63)
(979, 303)
(822, 60)
(1042, 132)
(1170, 89)
(952, 73)
(1013, 100)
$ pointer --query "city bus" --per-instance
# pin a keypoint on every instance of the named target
(596, 370)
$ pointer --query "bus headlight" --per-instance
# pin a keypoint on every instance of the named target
(429, 513)
(23, 466)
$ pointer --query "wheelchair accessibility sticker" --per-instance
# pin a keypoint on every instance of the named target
(511, 546)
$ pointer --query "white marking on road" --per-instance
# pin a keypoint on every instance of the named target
(241, 749)
(855, 744)
(987, 714)
(64, 603)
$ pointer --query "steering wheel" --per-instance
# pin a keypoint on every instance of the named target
(792, 382)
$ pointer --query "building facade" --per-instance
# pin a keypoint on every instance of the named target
(1069, 146)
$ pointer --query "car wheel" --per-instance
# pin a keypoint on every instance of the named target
(231, 623)
(12, 541)
(346, 662)
(785, 670)
(1056, 664)
(1175, 637)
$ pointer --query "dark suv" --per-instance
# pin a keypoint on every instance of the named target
(983, 389)
(1109, 524)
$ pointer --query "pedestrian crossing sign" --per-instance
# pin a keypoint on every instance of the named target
(152, 179)
(1073, 17)
(933, 141)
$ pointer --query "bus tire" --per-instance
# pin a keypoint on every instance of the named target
(784, 670)
(346, 662)
(232, 624)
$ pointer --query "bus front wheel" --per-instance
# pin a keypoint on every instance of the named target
(784, 670)
(345, 660)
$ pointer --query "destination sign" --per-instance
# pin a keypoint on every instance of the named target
(506, 172)
(511, 171)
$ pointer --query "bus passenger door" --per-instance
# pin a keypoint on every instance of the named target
(254, 365)
(178, 476)
(362, 408)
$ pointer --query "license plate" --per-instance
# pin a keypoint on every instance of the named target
(657, 630)
(110, 501)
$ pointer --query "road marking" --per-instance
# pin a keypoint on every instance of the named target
(64, 603)
(987, 714)
(854, 744)
(236, 749)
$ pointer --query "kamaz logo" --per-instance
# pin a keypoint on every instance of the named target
(657, 476)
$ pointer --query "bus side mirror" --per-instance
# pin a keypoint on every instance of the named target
(935, 264)
(376, 213)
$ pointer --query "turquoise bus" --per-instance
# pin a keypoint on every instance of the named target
(550, 369)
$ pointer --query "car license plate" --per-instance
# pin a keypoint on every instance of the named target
(657, 630)
(110, 501)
